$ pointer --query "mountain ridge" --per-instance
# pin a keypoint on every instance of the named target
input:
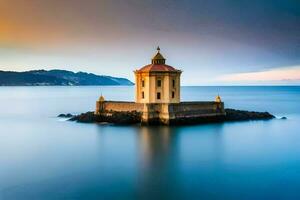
(57, 77)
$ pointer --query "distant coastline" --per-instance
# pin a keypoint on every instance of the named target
(58, 78)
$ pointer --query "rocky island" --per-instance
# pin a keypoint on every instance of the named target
(157, 101)
(133, 117)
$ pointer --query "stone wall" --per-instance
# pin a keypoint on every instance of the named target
(166, 113)
(195, 109)
(150, 88)
(163, 112)
(119, 106)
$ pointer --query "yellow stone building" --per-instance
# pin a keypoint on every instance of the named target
(157, 98)
(157, 82)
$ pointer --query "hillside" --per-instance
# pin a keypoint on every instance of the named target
(57, 77)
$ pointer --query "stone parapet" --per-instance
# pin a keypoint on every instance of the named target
(164, 113)
(118, 106)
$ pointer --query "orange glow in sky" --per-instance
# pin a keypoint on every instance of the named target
(206, 39)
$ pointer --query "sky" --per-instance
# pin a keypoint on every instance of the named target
(214, 42)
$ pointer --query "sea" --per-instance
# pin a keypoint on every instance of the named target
(46, 157)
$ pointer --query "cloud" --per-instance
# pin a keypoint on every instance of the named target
(202, 37)
(283, 75)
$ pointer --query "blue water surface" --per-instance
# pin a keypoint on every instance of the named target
(44, 157)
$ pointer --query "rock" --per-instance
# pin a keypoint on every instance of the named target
(84, 117)
(283, 118)
(110, 117)
(241, 115)
(134, 117)
(65, 115)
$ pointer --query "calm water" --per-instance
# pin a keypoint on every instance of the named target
(43, 157)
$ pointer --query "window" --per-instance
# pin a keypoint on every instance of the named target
(173, 95)
(158, 83)
(158, 95)
(143, 95)
(173, 83)
(143, 83)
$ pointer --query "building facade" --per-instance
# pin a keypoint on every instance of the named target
(157, 98)
(157, 82)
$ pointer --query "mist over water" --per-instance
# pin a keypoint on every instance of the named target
(44, 157)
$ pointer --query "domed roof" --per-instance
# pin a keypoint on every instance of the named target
(157, 68)
(158, 64)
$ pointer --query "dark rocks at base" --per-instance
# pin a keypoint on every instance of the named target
(197, 120)
(241, 115)
(65, 115)
(111, 117)
(283, 118)
(134, 117)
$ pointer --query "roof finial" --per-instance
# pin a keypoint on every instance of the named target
(158, 49)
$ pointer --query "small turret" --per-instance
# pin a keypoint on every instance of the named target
(100, 107)
(101, 98)
(158, 59)
(218, 99)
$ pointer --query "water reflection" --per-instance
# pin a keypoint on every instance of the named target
(154, 144)
(158, 162)
(43, 158)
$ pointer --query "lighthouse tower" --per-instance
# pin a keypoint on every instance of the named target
(157, 82)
